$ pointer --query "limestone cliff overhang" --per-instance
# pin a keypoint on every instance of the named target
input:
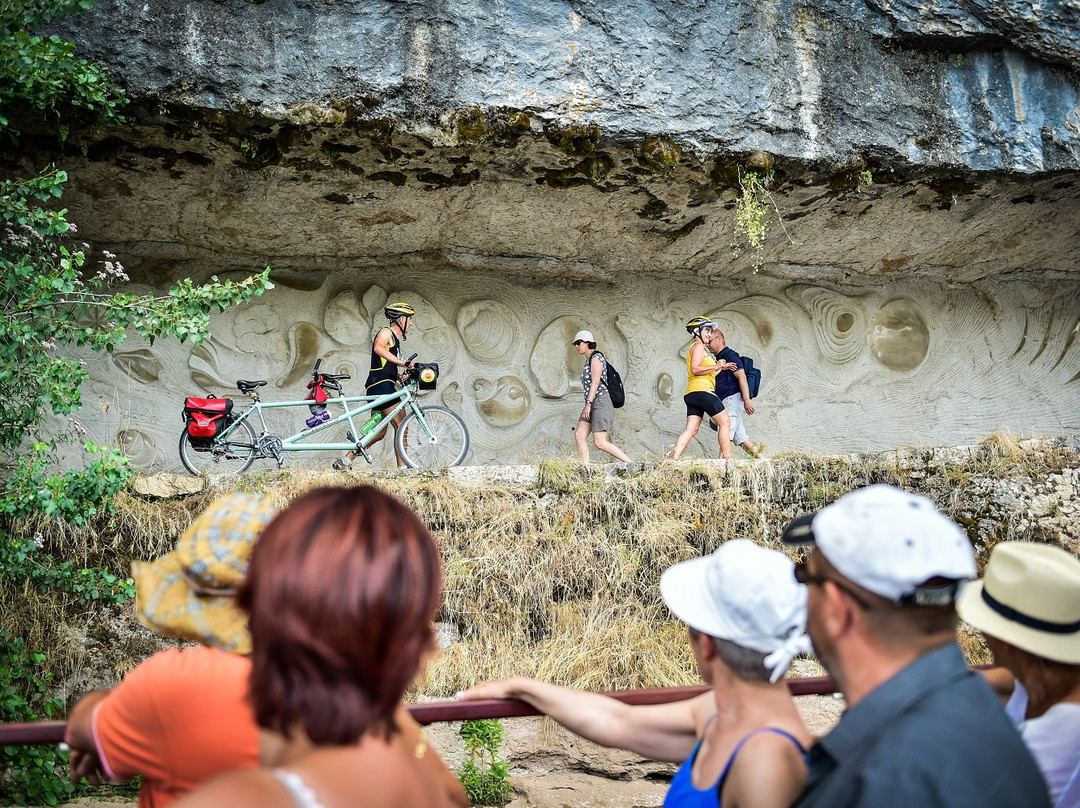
(975, 83)
(584, 140)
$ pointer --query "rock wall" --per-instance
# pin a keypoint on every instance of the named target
(844, 370)
(518, 171)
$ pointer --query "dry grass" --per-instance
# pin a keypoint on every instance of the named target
(559, 580)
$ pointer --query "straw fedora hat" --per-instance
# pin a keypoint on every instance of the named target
(190, 592)
(1029, 597)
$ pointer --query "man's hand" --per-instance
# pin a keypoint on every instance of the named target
(748, 406)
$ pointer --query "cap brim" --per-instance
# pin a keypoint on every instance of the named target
(799, 531)
(972, 609)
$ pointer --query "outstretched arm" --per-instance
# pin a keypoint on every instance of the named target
(659, 731)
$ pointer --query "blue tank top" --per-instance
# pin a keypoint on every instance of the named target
(682, 794)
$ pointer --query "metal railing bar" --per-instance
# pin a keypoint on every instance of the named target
(437, 711)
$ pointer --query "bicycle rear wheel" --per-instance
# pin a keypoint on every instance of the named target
(231, 455)
(446, 445)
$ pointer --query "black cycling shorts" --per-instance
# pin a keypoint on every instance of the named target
(383, 388)
(698, 403)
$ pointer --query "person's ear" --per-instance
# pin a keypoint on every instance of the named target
(839, 617)
(708, 647)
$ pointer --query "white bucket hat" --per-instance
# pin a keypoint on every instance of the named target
(1030, 598)
(745, 594)
(583, 336)
(890, 542)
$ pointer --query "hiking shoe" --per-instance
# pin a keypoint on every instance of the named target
(341, 465)
(756, 452)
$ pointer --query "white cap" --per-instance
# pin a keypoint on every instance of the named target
(583, 336)
(889, 542)
(745, 594)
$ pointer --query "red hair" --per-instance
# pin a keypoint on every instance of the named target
(340, 593)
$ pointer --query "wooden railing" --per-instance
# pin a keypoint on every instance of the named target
(436, 711)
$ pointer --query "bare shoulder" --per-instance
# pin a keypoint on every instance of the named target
(701, 708)
(248, 787)
(769, 771)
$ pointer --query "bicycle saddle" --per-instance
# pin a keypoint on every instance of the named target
(243, 385)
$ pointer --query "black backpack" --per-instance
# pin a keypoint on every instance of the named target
(614, 384)
(753, 376)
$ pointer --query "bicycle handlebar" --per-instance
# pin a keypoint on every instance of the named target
(409, 373)
(328, 379)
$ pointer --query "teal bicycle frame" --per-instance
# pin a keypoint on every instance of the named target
(371, 404)
(427, 437)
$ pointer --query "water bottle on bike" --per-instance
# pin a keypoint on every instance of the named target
(371, 423)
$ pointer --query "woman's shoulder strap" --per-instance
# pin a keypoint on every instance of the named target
(742, 742)
(301, 793)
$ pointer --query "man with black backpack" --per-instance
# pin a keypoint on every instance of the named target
(732, 389)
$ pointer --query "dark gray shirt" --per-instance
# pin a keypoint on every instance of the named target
(933, 735)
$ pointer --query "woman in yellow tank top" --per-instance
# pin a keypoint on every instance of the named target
(700, 394)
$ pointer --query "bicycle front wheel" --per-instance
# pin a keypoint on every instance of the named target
(445, 442)
(231, 455)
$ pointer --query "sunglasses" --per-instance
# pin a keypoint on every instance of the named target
(578, 342)
(804, 576)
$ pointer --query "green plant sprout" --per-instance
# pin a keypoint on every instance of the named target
(486, 778)
(248, 148)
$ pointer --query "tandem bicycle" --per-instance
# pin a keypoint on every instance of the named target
(228, 442)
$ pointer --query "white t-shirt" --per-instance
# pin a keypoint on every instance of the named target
(1054, 741)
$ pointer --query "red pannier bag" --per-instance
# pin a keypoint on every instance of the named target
(206, 417)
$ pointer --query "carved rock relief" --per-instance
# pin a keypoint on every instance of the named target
(843, 370)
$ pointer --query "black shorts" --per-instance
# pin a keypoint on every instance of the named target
(383, 388)
(699, 403)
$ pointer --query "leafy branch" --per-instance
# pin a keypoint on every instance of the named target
(751, 215)
(44, 72)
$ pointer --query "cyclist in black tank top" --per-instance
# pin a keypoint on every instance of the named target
(383, 373)
(386, 364)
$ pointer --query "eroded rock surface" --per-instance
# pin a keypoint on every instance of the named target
(845, 370)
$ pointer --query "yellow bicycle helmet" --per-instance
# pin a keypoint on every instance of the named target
(695, 324)
(395, 310)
